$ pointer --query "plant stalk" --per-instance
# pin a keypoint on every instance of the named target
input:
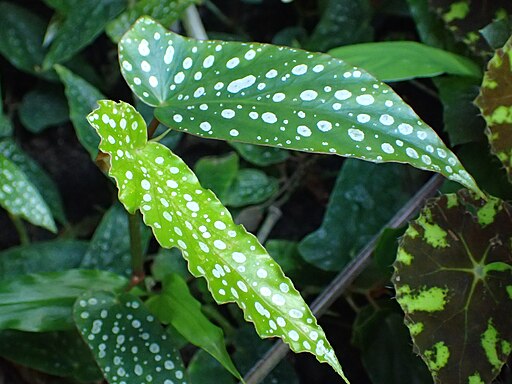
(136, 250)
(20, 228)
(193, 24)
(336, 288)
(152, 127)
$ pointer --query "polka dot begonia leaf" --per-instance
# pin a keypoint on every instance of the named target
(453, 279)
(182, 214)
(129, 344)
(278, 96)
(21, 198)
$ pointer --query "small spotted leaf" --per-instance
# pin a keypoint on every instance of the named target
(128, 343)
(182, 214)
(278, 96)
(453, 279)
(496, 106)
(20, 197)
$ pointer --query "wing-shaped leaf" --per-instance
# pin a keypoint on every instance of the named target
(89, 18)
(20, 197)
(82, 97)
(404, 60)
(61, 353)
(357, 211)
(496, 106)
(278, 96)
(453, 279)
(50, 256)
(129, 345)
(43, 302)
(166, 12)
(177, 306)
(183, 214)
(109, 248)
(39, 178)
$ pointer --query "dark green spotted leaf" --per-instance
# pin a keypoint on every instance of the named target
(21, 37)
(251, 186)
(43, 302)
(109, 248)
(37, 176)
(43, 107)
(62, 353)
(359, 206)
(496, 106)
(404, 60)
(465, 18)
(89, 17)
(166, 12)
(20, 197)
(453, 279)
(175, 305)
(182, 214)
(82, 97)
(217, 172)
(128, 343)
(277, 96)
(260, 155)
(343, 22)
(50, 256)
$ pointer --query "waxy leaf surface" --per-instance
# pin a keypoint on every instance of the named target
(277, 96)
(453, 279)
(496, 105)
(20, 197)
(128, 343)
(182, 214)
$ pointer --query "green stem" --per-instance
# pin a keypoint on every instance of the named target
(136, 250)
(20, 228)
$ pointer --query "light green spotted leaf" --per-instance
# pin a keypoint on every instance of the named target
(278, 96)
(182, 214)
(453, 279)
(166, 12)
(21, 198)
(128, 343)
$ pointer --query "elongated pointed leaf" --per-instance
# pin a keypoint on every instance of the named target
(128, 343)
(183, 214)
(21, 198)
(43, 302)
(278, 96)
(453, 279)
(177, 306)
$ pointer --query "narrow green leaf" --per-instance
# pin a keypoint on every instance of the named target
(109, 249)
(496, 106)
(278, 96)
(175, 305)
(217, 172)
(129, 345)
(404, 60)
(251, 186)
(453, 279)
(166, 12)
(183, 214)
(61, 353)
(50, 256)
(89, 17)
(43, 302)
(82, 98)
(20, 197)
(38, 177)
(21, 37)
(43, 107)
(357, 210)
(260, 155)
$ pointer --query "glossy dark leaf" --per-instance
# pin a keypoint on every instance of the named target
(217, 172)
(269, 95)
(453, 280)
(204, 369)
(61, 353)
(175, 305)
(43, 302)
(260, 155)
(251, 186)
(496, 106)
(497, 32)
(129, 345)
(168, 261)
(357, 210)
